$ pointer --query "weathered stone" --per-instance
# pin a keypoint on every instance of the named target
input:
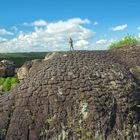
(7, 68)
(51, 56)
(24, 71)
(51, 104)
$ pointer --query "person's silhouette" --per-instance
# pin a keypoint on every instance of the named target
(71, 44)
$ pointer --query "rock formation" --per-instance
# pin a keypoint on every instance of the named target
(7, 68)
(51, 55)
(27, 67)
(78, 95)
(24, 71)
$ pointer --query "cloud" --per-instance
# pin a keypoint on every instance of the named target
(101, 41)
(84, 44)
(138, 28)
(36, 23)
(2, 40)
(104, 43)
(44, 23)
(51, 37)
(14, 28)
(95, 23)
(79, 21)
(5, 32)
(119, 28)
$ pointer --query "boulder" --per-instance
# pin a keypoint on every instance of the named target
(78, 95)
(2, 70)
(24, 71)
(1, 93)
(7, 68)
(51, 56)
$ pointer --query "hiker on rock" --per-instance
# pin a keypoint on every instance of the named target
(71, 44)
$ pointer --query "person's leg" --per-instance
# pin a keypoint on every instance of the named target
(72, 46)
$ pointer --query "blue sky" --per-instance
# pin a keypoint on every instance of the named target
(30, 25)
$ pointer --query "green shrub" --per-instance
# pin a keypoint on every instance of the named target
(8, 83)
(2, 80)
(128, 40)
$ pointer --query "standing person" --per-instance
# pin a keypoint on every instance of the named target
(71, 44)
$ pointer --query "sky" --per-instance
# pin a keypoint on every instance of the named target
(46, 25)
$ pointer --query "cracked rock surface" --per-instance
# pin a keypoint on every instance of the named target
(76, 95)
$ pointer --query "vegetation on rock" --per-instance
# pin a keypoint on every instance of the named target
(7, 83)
(128, 40)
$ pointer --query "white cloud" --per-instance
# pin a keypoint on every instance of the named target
(36, 23)
(79, 21)
(104, 43)
(5, 32)
(44, 23)
(119, 28)
(101, 41)
(95, 23)
(84, 44)
(14, 28)
(53, 36)
(2, 40)
(138, 28)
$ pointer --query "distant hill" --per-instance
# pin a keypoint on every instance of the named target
(20, 58)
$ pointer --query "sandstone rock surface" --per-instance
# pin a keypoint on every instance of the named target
(77, 95)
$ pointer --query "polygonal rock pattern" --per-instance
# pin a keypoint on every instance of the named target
(77, 95)
(24, 71)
